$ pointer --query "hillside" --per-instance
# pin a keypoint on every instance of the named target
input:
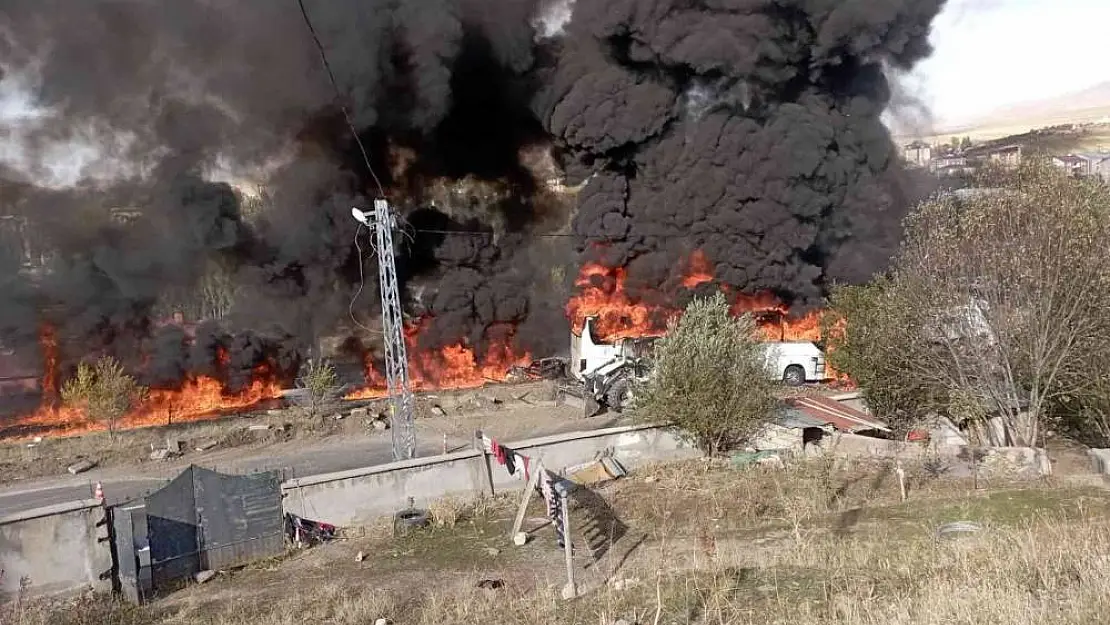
(1089, 107)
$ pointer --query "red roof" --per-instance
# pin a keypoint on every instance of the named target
(836, 414)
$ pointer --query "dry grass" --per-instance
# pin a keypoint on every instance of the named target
(819, 543)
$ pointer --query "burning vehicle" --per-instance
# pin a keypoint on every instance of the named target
(607, 371)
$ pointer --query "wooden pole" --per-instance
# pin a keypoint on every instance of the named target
(485, 457)
(521, 510)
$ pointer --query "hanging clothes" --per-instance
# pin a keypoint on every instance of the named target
(554, 505)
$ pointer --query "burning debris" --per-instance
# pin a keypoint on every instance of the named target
(654, 150)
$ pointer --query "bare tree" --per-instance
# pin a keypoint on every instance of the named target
(997, 303)
(104, 390)
(711, 376)
(319, 381)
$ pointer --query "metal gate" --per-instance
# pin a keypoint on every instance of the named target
(200, 520)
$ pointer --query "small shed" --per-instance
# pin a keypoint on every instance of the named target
(807, 420)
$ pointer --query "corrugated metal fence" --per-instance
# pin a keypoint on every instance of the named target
(200, 520)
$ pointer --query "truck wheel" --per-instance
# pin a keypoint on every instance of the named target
(617, 395)
(794, 375)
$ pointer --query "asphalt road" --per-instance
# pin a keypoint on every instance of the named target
(299, 460)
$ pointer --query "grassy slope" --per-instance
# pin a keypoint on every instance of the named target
(815, 543)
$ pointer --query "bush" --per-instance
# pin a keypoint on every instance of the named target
(711, 376)
(319, 379)
(104, 391)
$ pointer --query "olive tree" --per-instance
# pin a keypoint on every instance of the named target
(710, 376)
(996, 306)
(104, 391)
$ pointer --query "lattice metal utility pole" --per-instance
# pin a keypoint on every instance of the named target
(396, 356)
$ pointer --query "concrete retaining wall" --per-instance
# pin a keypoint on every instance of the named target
(59, 549)
(360, 496)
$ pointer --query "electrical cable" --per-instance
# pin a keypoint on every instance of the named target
(361, 286)
(339, 96)
(361, 149)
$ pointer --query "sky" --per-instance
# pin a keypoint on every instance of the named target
(994, 53)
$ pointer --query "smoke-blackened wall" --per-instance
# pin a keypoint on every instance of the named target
(747, 129)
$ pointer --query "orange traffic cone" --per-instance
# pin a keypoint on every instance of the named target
(99, 492)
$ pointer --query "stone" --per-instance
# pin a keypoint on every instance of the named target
(649, 479)
(261, 427)
(339, 416)
(360, 412)
(438, 411)
(175, 445)
(520, 539)
(204, 576)
(161, 454)
(207, 444)
(381, 621)
(360, 557)
(379, 424)
(570, 591)
(273, 412)
(80, 466)
(621, 621)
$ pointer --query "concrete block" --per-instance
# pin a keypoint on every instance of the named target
(56, 548)
(81, 466)
(207, 444)
(204, 576)
(1100, 460)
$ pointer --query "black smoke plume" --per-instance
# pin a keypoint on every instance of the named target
(748, 129)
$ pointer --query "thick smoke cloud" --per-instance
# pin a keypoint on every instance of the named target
(748, 129)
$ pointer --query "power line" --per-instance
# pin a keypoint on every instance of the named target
(339, 96)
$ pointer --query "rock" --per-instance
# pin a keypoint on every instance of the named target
(621, 621)
(570, 591)
(80, 466)
(381, 621)
(207, 444)
(161, 454)
(493, 551)
(360, 557)
(651, 479)
(438, 410)
(174, 445)
(261, 427)
(520, 539)
(490, 584)
(379, 424)
(204, 576)
(360, 412)
(625, 584)
(273, 412)
(339, 416)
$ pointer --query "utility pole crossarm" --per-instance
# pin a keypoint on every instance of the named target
(396, 356)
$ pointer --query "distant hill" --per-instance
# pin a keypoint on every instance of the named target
(1089, 105)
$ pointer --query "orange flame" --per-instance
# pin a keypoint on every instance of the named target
(451, 367)
(601, 294)
(199, 397)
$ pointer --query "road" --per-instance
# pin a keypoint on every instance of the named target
(295, 459)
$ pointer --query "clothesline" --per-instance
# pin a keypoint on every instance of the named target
(511, 460)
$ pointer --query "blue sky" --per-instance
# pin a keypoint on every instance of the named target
(992, 53)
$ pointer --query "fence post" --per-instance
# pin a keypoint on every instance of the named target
(478, 442)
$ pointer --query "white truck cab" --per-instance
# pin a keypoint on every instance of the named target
(793, 362)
